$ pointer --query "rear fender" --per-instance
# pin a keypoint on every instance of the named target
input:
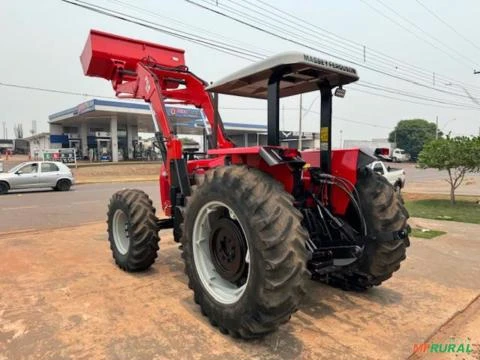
(345, 164)
(276, 161)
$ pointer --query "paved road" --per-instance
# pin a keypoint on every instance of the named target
(419, 175)
(88, 203)
(50, 209)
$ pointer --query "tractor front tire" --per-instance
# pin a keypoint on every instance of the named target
(244, 251)
(132, 230)
(384, 211)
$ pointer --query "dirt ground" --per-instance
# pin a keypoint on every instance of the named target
(61, 297)
(109, 173)
(469, 187)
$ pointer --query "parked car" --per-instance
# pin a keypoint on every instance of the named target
(396, 177)
(37, 174)
(400, 155)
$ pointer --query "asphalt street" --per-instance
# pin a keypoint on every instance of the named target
(415, 174)
(44, 209)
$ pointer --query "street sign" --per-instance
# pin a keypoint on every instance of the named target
(66, 156)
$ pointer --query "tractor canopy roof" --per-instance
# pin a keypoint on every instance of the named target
(301, 73)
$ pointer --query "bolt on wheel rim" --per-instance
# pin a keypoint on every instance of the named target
(120, 231)
(218, 287)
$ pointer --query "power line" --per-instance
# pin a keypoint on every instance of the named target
(123, 17)
(431, 12)
(395, 62)
(264, 11)
(418, 28)
(302, 31)
(245, 51)
(421, 97)
(424, 75)
(195, 28)
(65, 92)
(405, 100)
(300, 43)
(217, 45)
(354, 121)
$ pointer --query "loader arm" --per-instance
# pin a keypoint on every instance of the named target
(158, 75)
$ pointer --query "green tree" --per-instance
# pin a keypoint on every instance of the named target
(412, 134)
(457, 156)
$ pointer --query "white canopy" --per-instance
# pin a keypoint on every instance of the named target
(303, 74)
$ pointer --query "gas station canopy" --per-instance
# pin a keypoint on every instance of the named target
(99, 112)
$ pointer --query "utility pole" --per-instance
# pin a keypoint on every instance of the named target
(300, 125)
(341, 139)
(436, 128)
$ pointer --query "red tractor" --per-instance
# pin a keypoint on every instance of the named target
(253, 222)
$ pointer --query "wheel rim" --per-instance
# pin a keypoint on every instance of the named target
(120, 231)
(220, 252)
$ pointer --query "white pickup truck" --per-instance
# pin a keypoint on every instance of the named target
(396, 177)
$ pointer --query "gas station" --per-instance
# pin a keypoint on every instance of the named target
(107, 130)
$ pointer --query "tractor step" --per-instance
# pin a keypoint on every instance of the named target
(166, 223)
(329, 259)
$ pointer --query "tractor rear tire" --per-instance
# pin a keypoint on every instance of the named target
(132, 230)
(384, 211)
(266, 258)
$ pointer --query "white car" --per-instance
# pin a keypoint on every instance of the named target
(37, 174)
(400, 155)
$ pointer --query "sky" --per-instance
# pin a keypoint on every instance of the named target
(41, 42)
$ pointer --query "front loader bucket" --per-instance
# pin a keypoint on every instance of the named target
(103, 52)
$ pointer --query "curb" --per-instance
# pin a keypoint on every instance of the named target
(112, 181)
(120, 163)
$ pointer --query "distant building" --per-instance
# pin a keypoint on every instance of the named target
(6, 145)
(37, 143)
(109, 129)
(21, 146)
(369, 144)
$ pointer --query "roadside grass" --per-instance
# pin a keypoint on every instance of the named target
(441, 209)
(426, 233)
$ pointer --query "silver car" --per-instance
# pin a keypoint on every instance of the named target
(37, 174)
